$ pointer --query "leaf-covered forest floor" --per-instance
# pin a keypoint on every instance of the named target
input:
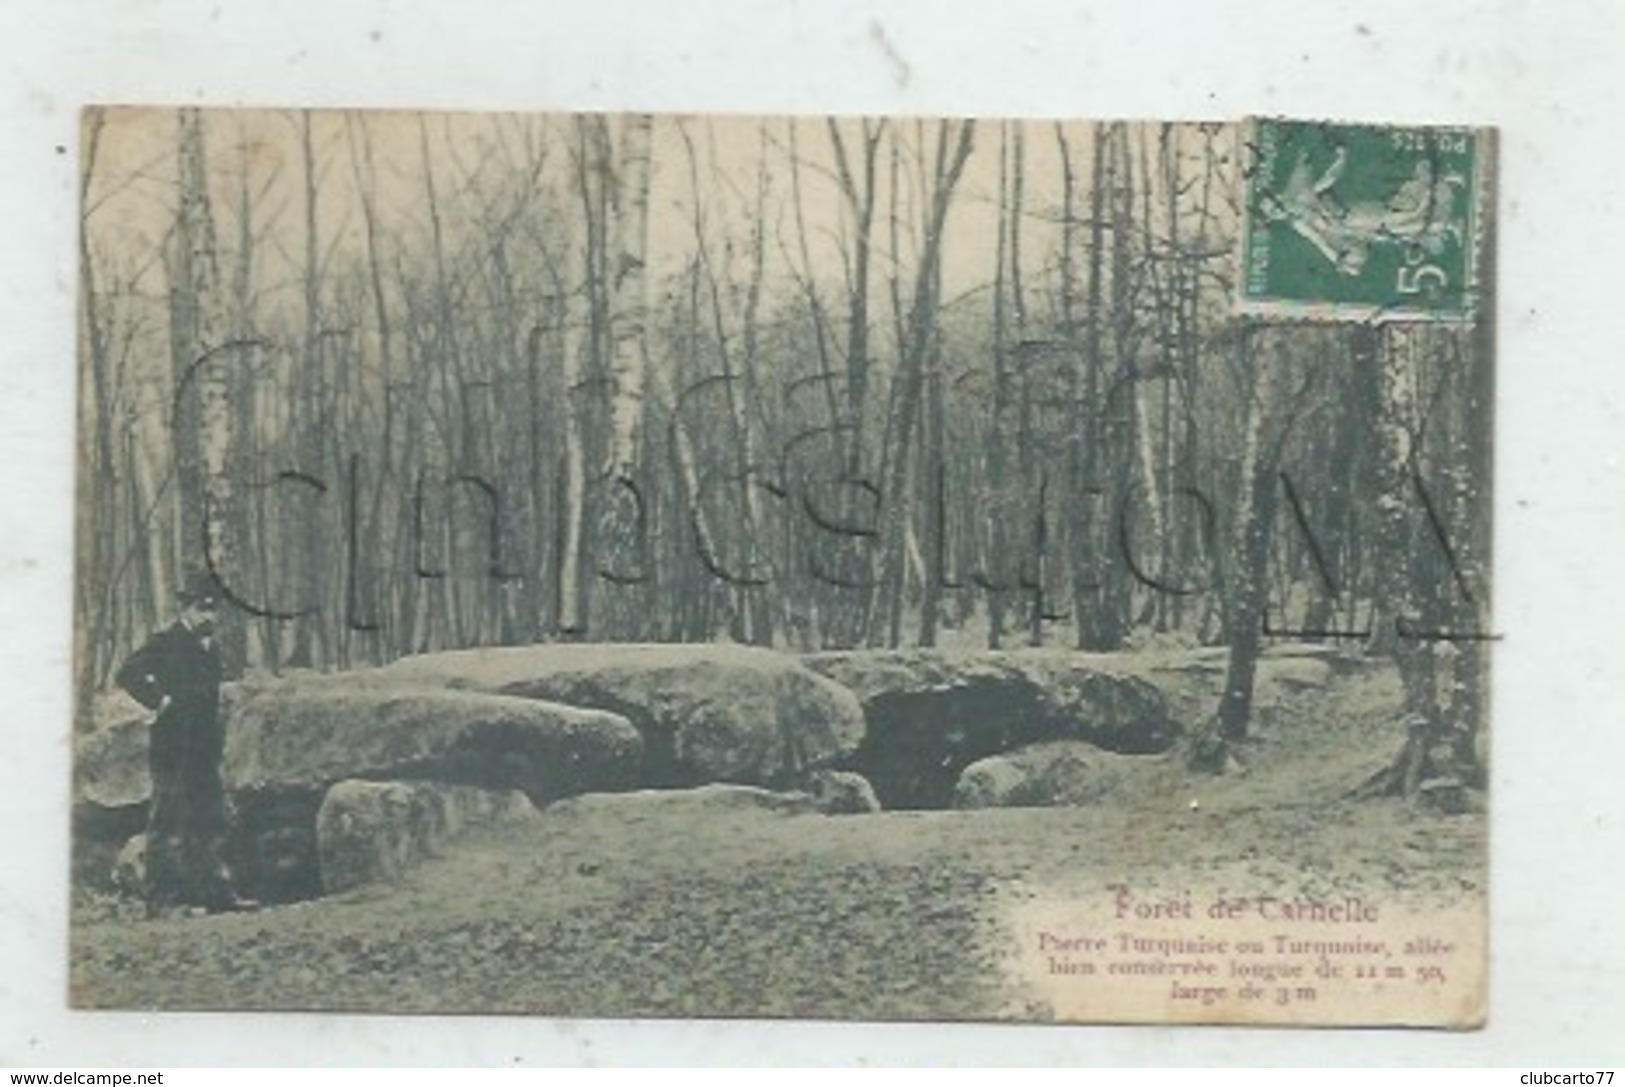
(761, 913)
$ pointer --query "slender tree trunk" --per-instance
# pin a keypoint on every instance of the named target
(860, 192)
(1244, 578)
(743, 393)
(584, 365)
(629, 353)
(96, 527)
(911, 377)
(1440, 745)
(1389, 351)
(1122, 429)
(204, 387)
(1272, 407)
(245, 422)
(861, 198)
(386, 479)
(995, 497)
(1148, 485)
(935, 558)
(1090, 570)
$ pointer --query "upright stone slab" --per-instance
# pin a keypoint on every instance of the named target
(1063, 773)
(373, 831)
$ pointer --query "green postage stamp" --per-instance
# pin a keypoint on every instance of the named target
(1361, 221)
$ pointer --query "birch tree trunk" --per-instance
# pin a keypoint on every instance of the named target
(629, 352)
(204, 387)
(1244, 577)
(1440, 718)
(1389, 352)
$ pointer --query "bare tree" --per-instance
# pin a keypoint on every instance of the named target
(206, 375)
(628, 291)
(953, 144)
(96, 535)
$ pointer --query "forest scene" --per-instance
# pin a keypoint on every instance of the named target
(703, 565)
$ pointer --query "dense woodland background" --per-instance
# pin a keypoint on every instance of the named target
(409, 382)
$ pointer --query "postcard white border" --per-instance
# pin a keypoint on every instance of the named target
(1546, 74)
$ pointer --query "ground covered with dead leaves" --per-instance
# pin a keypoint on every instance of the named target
(773, 913)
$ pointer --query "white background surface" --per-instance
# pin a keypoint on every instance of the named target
(1548, 73)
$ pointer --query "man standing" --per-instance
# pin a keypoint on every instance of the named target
(177, 675)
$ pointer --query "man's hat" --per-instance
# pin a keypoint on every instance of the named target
(199, 587)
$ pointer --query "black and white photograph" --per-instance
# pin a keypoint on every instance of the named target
(880, 568)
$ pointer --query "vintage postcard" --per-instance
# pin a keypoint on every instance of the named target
(860, 568)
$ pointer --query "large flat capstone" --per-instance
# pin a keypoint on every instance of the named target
(288, 740)
(707, 713)
(931, 713)
(318, 730)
